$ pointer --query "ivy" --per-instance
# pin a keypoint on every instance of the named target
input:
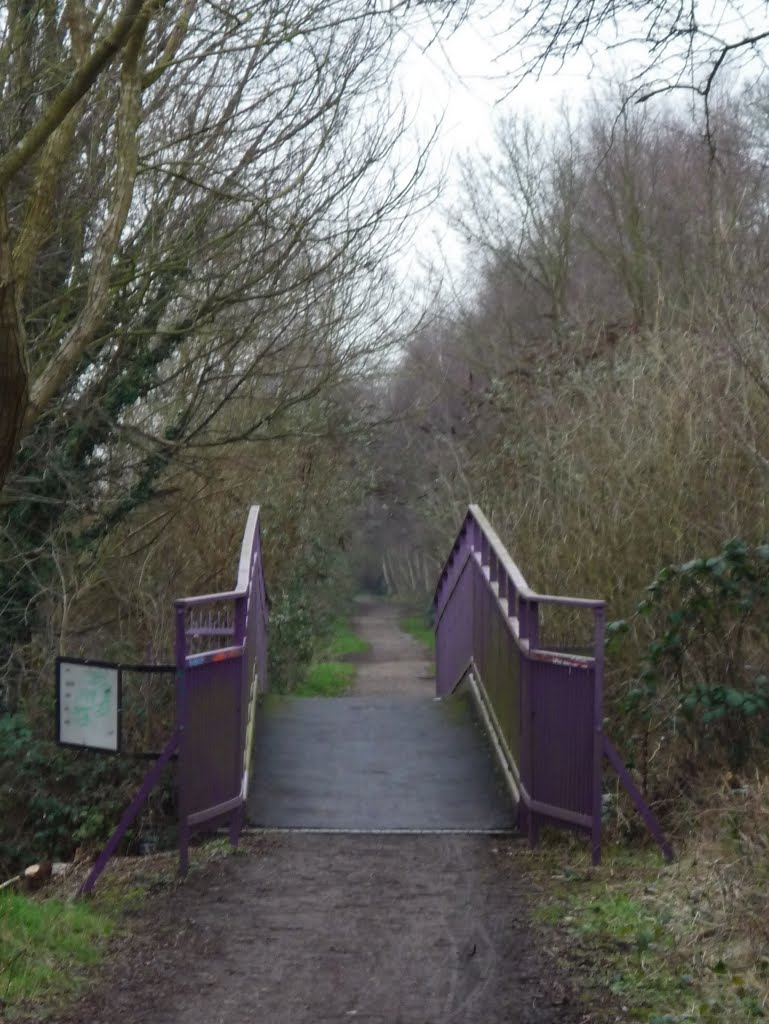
(703, 671)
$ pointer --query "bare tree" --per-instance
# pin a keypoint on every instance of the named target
(177, 134)
(676, 47)
(196, 252)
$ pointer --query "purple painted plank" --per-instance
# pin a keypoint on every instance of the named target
(639, 803)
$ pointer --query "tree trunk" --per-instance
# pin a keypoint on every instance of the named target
(14, 376)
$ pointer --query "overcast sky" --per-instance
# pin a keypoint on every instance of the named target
(466, 81)
(463, 83)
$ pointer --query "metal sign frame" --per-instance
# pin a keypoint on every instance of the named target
(90, 663)
(120, 669)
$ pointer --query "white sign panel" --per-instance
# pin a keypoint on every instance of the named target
(88, 700)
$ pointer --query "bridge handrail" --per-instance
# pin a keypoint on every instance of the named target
(207, 671)
(543, 707)
(246, 564)
(505, 561)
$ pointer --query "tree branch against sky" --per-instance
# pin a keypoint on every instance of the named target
(666, 46)
(145, 141)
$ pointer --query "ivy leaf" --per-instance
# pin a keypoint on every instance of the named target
(714, 714)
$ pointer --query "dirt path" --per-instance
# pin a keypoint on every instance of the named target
(310, 928)
(395, 664)
(315, 928)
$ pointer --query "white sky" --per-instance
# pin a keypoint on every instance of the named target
(463, 82)
(466, 80)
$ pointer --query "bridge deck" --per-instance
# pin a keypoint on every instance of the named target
(375, 763)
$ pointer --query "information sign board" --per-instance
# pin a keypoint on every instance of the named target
(88, 700)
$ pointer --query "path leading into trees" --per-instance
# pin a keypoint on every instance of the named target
(395, 665)
(364, 927)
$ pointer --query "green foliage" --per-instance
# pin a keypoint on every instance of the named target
(419, 627)
(45, 943)
(54, 799)
(703, 674)
(326, 679)
(342, 642)
(328, 675)
(291, 638)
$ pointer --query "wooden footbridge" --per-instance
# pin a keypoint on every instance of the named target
(509, 736)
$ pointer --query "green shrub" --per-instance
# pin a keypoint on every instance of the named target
(704, 674)
(53, 799)
(291, 639)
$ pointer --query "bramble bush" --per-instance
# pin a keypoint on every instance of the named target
(701, 698)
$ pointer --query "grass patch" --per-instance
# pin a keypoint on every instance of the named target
(51, 946)
(342, 642)
(330, 675)
(327, 679)
(45, 946)
(416, 625)
(653, 938)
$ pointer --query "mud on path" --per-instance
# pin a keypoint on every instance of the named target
(312, 928)
(395, 664)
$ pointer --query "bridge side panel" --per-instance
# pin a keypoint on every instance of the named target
(454, 628)
(560, 739)
(211, 752)
(498, 661)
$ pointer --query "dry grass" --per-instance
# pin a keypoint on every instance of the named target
(660, 944)
(600, 470)
(642, 456)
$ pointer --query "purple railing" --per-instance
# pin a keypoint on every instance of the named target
(221, 658)
(542, 706)
(221, 665)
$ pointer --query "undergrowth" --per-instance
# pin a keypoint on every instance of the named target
(341, 642)
(660, 944)
(55, 800)
(328, 674)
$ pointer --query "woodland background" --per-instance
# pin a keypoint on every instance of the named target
(200, 310)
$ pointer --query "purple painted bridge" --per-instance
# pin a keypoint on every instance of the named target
(513, 736)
